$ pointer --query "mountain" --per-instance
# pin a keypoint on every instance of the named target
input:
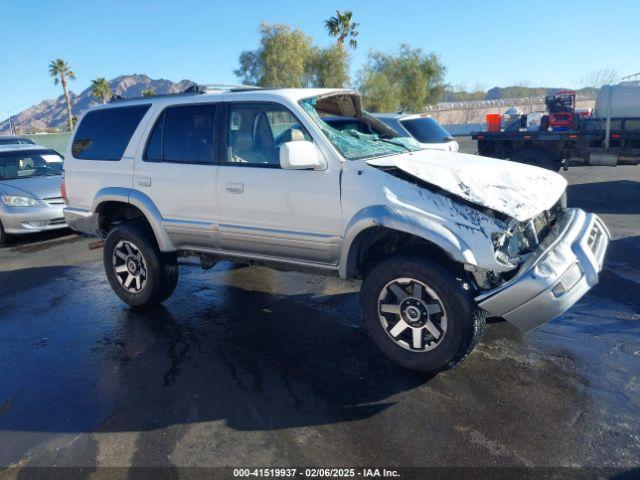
(50, 114)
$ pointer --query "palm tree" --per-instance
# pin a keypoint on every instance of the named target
(100, 89)
(148, 92)
(60, 71)
(342, 27)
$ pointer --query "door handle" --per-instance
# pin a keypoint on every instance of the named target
(144, 181)
(235, 188)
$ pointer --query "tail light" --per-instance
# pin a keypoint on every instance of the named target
(63, 190)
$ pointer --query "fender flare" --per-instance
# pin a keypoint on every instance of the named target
(142, 203)
(403, 221)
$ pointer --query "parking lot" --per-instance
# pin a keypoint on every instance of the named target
(248, 366)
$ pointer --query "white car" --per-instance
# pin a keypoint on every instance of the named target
(440, 239)
(423, 127)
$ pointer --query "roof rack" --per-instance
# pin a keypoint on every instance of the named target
(195, 89)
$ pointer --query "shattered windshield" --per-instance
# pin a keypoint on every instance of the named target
(355, 145)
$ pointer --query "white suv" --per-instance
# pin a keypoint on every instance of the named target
(439, 239)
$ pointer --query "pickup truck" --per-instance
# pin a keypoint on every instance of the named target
(440, 240)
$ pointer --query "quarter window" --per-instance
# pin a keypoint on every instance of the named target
(104, 134)
(256, 131)
(183, 134)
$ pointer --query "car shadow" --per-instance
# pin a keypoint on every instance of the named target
(31, 239)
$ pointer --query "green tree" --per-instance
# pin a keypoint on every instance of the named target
(329, 68)
(342, 26)
(148, 92)
(100, 89)
(281, 60)
(61, 72)
(408, 79)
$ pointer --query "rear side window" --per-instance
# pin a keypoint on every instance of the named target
(183, 134)
(104, 134)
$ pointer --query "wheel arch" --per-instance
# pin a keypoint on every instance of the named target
(130, 199)
(382, 220)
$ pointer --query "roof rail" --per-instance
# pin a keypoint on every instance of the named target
(195, 89)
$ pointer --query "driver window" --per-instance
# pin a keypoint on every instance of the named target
(257, 130)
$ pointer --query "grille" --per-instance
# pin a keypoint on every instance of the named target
(57, 221)
(594, 238)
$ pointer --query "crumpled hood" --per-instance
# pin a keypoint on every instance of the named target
(514, 189)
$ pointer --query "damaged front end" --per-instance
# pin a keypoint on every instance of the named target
(520, 239)
(553, 275)
(542, 265)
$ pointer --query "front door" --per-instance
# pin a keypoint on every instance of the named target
(177, 171)
(265, 210)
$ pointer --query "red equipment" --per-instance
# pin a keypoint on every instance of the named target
(561, 107)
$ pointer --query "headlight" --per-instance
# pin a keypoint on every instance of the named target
(19, 201)
(507, 244)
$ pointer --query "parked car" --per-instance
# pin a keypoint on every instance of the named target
(440, 239)
(423, 127)
(15, 140)
(30, 199)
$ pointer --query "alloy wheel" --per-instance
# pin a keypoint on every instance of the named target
(129, 266)
(412, 314)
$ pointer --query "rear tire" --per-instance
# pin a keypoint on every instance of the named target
(419, 314)
(536, 157)
(138, 272)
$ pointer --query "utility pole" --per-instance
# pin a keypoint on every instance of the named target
(11, 129)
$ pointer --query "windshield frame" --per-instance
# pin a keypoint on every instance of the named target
(30, 153)
(352, 138)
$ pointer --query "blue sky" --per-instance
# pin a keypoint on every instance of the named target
(486, 43)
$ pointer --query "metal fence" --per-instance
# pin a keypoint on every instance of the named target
(502, 102)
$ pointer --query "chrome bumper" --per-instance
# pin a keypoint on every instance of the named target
(563, 268)
(81, 220)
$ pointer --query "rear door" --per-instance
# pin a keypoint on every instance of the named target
(176, 169)
(265, 210)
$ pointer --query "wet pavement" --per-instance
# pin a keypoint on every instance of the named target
(248, 366)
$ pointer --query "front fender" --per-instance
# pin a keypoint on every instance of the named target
(403, 221)
(142, 203)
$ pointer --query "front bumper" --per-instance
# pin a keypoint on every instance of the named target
(563, 268)
(19, 220)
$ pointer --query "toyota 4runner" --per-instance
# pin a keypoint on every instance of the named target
(440, 240)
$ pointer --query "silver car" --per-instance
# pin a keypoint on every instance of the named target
(30, 198)
(421, 126)
(15, 140)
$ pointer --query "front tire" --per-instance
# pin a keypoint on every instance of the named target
(419, 314)
(138, 272)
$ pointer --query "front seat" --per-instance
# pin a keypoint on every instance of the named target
(242, 150)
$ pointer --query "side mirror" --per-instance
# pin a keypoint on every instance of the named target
(300, 155)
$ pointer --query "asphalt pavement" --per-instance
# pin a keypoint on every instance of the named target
(245, 366)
